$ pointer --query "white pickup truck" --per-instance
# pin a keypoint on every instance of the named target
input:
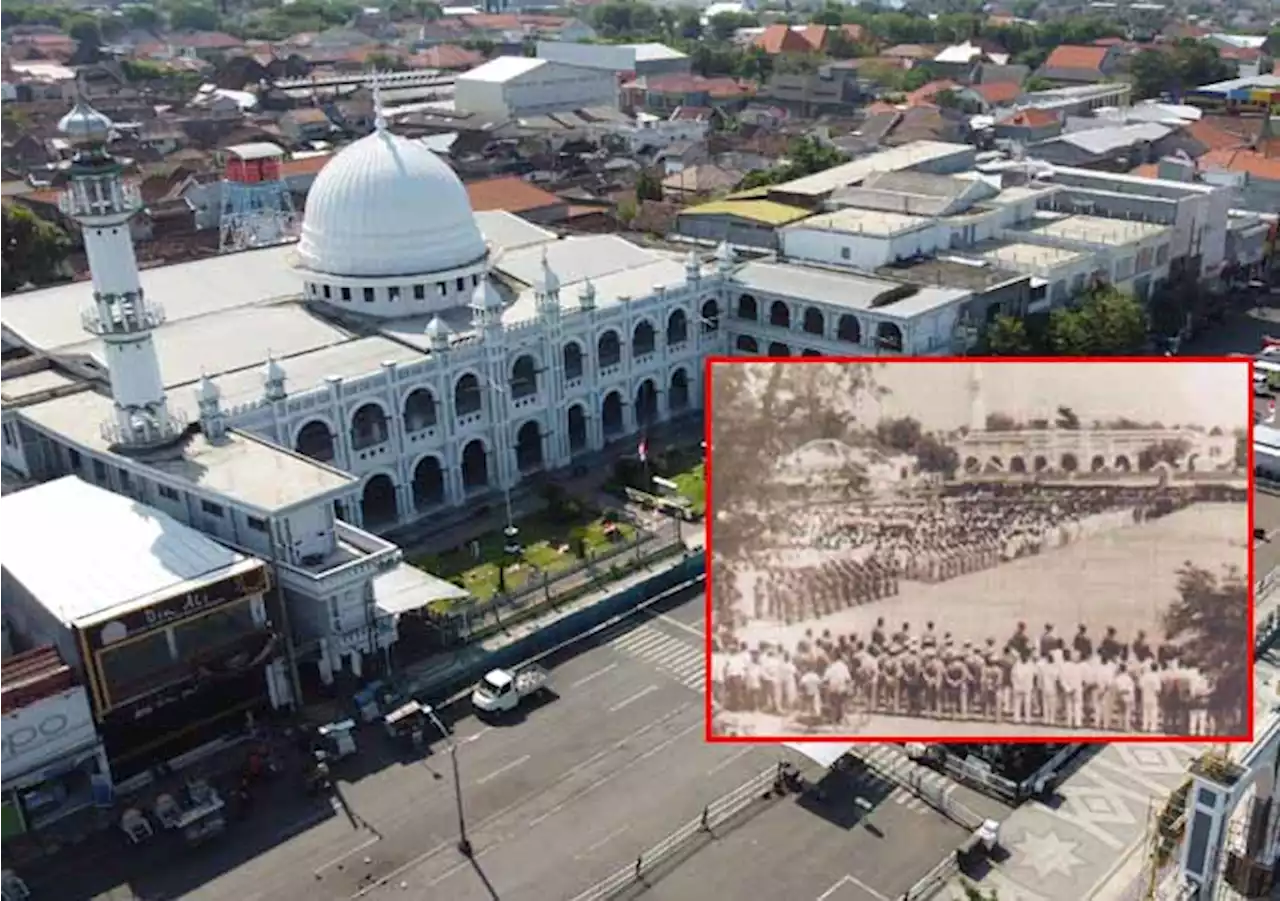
(501, 691)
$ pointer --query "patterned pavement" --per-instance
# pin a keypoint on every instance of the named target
(1067, 850)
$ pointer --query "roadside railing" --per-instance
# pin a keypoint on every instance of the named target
(934, 881)
(714, 814)
(924, 784)
(1266, 630)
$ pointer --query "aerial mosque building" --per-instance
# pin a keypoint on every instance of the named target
(405, 358)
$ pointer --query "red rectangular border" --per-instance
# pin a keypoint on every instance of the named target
(1250, 477)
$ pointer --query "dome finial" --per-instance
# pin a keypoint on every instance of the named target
(379, 112)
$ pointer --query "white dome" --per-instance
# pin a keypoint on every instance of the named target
(388, 206)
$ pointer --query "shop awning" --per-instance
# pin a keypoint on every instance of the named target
(407, 588)
(821, 752)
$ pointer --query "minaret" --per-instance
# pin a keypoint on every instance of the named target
(100, 201)
(977, 409)
(547, 292)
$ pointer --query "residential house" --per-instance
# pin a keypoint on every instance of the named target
(51, 45)
(959, 61)
(699, 181)
(1028, 126)
(667, 93)
(831, 89)
(1073, 64)
(781, 38)
(682, 155)
(302, 126)
(515, 195)
(986, 73)
(1112, 148)
(993, 95)
(446, 58)
(925, 123)
(1256, 172)
(908, 55)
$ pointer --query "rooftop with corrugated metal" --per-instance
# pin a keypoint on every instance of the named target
(766, 212)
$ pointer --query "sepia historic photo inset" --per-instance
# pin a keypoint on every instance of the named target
(933, 551)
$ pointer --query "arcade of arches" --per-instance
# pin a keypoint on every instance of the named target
(382, 503)
(810, 321)
(1063, 463)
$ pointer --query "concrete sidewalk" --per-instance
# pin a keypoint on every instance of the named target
(1090, 842)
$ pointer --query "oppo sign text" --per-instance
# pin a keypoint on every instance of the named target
(26, 735)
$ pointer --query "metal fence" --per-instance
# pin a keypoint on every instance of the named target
(1266, 629)
(592, 573)
(714, 814)
(935, 880)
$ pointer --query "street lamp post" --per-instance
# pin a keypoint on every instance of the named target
(464, 844)
(510, 535)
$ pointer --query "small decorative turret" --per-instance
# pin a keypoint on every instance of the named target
(273, 380)
(547, 291)
(587, 297)
(692, 268)
(486, 303)
(725, 259)
(209, 401)
(437, 334)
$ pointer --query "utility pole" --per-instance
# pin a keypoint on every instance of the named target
(464, 844)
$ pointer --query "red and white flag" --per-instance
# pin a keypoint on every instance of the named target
(643, 450)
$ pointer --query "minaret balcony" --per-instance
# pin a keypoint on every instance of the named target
(87, 198)
(145, 430)
(124, 315)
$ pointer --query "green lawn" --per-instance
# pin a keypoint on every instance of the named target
(692, 484)
(546, 548)
(686, 468)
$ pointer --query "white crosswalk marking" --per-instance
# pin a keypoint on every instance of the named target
(891, 760)
(679, 659)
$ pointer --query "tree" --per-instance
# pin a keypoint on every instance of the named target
(146, 18)
(194, 17)
(1169, 451)
(902, 434)
(724, 25)
(1001, 422)
(1066, 419)
(648, 187)
(1108, 324)
(1242, 450)
(973, 893)
(1037, 83)
(934, 456)
(1007, 337)
(1210, 623)
(34, 250)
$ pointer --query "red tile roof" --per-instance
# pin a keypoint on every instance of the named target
(1074, 56)
(206, 40)
(447, 56)
(33, 675)
(307, 165)
(923, 95)
(1214, 137)
(1256, 164)
(723, 87)
(782, 38)
(1030, 118)
(514, 195)
(998, 92)
(492, 22)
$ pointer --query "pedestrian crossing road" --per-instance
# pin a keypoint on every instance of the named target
(677, 658)
(889, 767)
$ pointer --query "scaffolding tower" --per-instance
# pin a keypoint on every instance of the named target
(257, 206)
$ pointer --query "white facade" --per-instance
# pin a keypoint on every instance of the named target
(512, 87)
(478, 390)
(868, 239)
(649, 132)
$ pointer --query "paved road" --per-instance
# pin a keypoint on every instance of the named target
(555, 802)
(867, 840)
